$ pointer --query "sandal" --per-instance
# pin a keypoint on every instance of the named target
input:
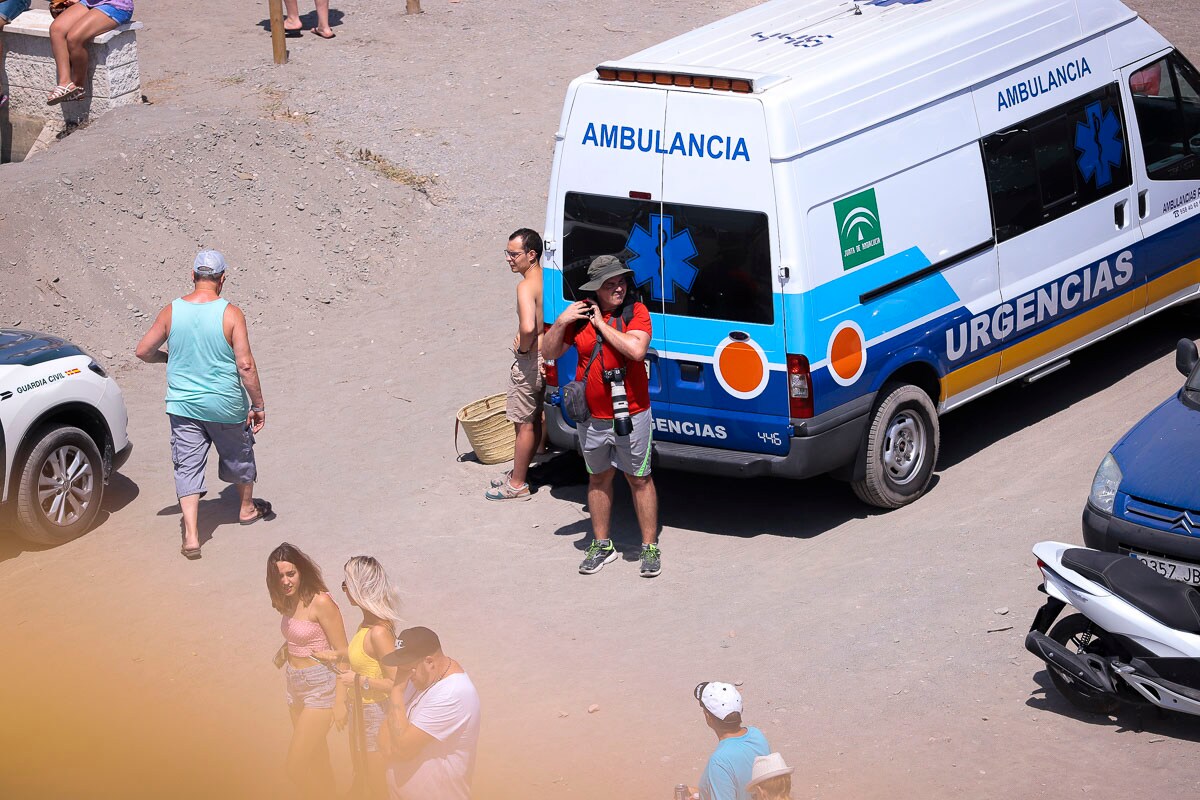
(506, 491)
(191, 554)
(262, 510)
(62, 93)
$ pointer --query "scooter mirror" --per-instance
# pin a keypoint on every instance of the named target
(1186, 358)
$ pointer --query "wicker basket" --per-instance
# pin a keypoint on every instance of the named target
(492, 437)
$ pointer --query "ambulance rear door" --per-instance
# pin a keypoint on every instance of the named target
(711, 262)
(609, 185)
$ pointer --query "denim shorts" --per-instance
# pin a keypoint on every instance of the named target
(119, 15)
(373, 716)
(9, 9)
(190, 440)
(311, 687)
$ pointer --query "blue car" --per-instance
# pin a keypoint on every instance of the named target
(1145, 498)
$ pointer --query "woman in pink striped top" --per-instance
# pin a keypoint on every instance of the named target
(70, 34)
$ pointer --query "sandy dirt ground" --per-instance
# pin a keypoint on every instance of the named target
(362, 194)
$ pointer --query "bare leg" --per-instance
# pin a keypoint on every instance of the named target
(600, 499)
(645, 505)
(58, 40)
(292, 21)
(308, 764)
(323, 18)
(377, 775)
(191, 517)
(527, 439)
(80, 35)
(246, 495)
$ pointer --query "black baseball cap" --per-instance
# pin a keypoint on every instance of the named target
(412, 644)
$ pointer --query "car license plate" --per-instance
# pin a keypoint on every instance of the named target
(1175, 570)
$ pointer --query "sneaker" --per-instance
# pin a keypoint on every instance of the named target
(597, 556)
(651, 561)
(506, 491)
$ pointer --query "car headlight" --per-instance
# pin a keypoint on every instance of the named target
(1105, 484)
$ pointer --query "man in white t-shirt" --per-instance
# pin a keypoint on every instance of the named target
(433, 723)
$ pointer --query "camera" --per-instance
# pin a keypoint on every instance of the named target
(622, 424)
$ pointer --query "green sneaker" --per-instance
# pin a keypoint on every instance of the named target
(651, 561)
(597, 556)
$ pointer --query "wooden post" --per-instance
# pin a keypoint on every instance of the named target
(278, 45)
(414, 7)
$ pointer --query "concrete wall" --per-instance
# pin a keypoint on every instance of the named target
(29, 71)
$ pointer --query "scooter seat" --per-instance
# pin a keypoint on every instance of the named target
(1174, 604)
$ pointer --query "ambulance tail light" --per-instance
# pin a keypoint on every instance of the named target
(799, 386)
(550, 368)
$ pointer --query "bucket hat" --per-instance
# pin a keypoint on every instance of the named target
(601, 269)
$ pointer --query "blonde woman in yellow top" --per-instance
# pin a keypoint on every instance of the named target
(368, 588)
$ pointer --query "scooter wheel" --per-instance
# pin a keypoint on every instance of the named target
(1079, 634)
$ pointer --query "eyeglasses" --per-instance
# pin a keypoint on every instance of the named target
(512, 255)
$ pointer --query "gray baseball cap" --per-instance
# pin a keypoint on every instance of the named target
(208, 262)
(601, 269)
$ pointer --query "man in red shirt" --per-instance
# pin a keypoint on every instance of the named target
(624, 334)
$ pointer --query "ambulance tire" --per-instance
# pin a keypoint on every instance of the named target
(901, 447)
(51, 511)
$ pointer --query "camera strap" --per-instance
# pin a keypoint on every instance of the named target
(624, 319)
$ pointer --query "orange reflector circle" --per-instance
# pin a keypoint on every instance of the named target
(742, 368)
(847, 353)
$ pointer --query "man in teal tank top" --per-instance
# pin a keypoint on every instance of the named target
(210, 372)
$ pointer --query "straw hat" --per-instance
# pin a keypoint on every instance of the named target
(768, 766)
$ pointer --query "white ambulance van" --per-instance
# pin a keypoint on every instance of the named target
(847, 218)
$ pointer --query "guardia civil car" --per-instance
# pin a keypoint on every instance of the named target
(62, 434)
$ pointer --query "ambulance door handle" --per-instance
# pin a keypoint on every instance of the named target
(690, 371)
(1142, 195)
(1121, 214)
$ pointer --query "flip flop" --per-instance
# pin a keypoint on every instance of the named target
(323, 36)
(293, 33)
(262, 509)
(189, 553)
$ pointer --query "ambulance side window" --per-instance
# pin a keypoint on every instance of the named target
(1166, 99)
(1047, 166)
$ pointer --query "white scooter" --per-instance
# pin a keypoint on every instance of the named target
(1136, 638)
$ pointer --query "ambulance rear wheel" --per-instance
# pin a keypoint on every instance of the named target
(901, 447)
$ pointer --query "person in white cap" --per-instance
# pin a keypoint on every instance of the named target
(729, 767)
(210, 371)
(770, 778)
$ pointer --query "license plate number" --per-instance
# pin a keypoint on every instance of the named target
(1175, 570)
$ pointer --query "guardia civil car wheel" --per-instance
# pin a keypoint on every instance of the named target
(62, 434)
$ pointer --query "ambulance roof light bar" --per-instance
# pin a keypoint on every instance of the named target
(692, 78)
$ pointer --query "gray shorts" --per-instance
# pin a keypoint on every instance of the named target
(602, 448)
(190, 439)
(311, 687)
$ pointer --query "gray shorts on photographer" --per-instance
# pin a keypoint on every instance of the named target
(602, 449)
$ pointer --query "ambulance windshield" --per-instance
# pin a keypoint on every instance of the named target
(687, 261)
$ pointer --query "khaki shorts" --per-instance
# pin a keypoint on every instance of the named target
(526, 384)
(602, 449)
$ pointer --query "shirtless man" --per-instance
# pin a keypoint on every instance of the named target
(526, 381)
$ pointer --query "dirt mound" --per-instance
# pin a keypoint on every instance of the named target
(101, 237)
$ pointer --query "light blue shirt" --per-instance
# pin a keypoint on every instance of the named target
(729, 767)
(202, 375)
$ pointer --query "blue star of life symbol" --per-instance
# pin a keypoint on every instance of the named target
(678, 250)
(1099, 144)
